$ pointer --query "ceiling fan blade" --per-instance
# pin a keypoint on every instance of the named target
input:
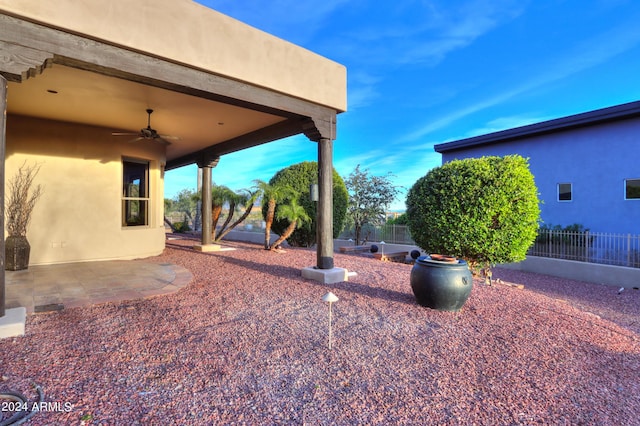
(173, 138)
(123, 134)
(162, 140)
(139, 138)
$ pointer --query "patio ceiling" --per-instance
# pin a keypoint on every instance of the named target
(74, 95)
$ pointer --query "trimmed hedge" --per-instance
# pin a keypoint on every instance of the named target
(485, 210)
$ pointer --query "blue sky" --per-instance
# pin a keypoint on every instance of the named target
(427, 72)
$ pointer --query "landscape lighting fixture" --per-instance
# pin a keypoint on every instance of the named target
(330, 298)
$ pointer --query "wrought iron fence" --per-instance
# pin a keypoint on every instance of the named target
(593, 247)
(395, 234)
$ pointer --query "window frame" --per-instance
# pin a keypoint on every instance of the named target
(624, 188)
(570, 192)
(128, 201)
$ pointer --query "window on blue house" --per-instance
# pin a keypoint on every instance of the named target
(632, 189)
(565, 192)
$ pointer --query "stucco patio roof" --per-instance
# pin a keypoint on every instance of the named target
(214, 82)
(614, 113)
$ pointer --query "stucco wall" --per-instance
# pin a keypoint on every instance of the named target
(78, 217)
(617, 276)
(595, 159)
(189, 33)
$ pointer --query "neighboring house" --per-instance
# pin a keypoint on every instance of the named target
(77, 71)
(586, 166)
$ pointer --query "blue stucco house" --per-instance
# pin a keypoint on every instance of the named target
(586, 166)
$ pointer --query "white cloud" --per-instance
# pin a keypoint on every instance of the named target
(588, 54)
(505, 123)
(362, 89)
(419, 32)
(238, 170)
(458, 29)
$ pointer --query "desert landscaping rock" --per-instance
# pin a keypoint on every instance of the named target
(246, 343)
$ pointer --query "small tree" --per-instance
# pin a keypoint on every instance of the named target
(295, 215)
(485, 210)
(185, 202)
(246, 198)
(220, 195)
(234, 199)
(369, 197)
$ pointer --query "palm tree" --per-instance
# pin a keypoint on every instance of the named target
(295, 214)
(233, 199)
(273, 194)
(219, 196)
(248, 200)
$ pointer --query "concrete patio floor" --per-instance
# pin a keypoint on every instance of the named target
(45, 288)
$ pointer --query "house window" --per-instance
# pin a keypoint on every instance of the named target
(135, 192)
(565, 192)
(632, 189)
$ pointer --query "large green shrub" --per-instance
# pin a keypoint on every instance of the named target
(300, 177)
(181, 227)
(485, 210)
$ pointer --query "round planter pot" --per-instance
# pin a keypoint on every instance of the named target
(444, 286)
(16, 253)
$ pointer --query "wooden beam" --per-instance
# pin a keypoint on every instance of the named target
(316, 128)
(271, 133)
(3, 131)
(97, 56)
(20, 63)
(49, 45)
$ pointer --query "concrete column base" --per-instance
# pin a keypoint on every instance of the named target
(327, 276)
(207, 247)
(12, 323)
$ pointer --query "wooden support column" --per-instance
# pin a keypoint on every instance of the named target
(206, 205)
(3, 131)
(206, 164)
(324, 226)
(323, 131)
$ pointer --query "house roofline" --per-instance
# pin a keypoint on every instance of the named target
(599, 116)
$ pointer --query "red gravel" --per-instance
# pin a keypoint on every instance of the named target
(246, 343)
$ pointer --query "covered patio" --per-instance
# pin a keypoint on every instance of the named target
(50, 288)
(74, 73)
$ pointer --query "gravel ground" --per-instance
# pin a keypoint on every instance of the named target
(246, 343)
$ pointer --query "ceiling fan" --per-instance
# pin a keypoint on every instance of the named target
(148, 133)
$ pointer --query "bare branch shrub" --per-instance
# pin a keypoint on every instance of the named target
(21, 199)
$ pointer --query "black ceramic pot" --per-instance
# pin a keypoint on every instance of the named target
(444, 286)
